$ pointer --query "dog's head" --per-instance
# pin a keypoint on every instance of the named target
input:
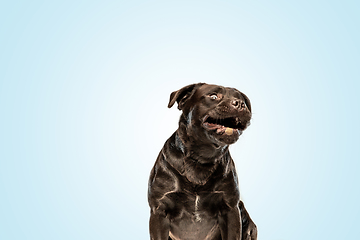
(213, 113)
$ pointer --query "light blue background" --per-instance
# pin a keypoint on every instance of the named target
(84, 87)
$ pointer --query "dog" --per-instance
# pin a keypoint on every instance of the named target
(193, 188)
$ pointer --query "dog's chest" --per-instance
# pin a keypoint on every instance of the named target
(197, 212)
(198, 216)
(200, 206)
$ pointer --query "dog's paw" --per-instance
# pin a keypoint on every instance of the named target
(250, 232)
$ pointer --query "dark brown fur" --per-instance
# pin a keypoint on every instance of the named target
(193, 186)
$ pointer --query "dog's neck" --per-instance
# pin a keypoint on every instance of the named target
(196, 149)
(199, 159)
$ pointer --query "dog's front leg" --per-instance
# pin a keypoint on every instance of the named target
(249, 230)
(230, 224)
(159, 226)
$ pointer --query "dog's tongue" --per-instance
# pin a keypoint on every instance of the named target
(226, 130)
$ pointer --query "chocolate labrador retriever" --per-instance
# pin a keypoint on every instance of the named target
(193, 186)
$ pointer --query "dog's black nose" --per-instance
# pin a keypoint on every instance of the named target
(238, 104)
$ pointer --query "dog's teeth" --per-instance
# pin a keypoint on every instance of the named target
(229, 131)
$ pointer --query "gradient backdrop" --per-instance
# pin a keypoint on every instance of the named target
(84, 88)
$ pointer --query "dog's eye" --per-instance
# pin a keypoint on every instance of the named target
(213, 96)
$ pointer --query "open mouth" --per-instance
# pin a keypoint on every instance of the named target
(229, 125)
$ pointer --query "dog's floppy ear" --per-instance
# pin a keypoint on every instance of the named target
(247, 101)
(182, 95)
